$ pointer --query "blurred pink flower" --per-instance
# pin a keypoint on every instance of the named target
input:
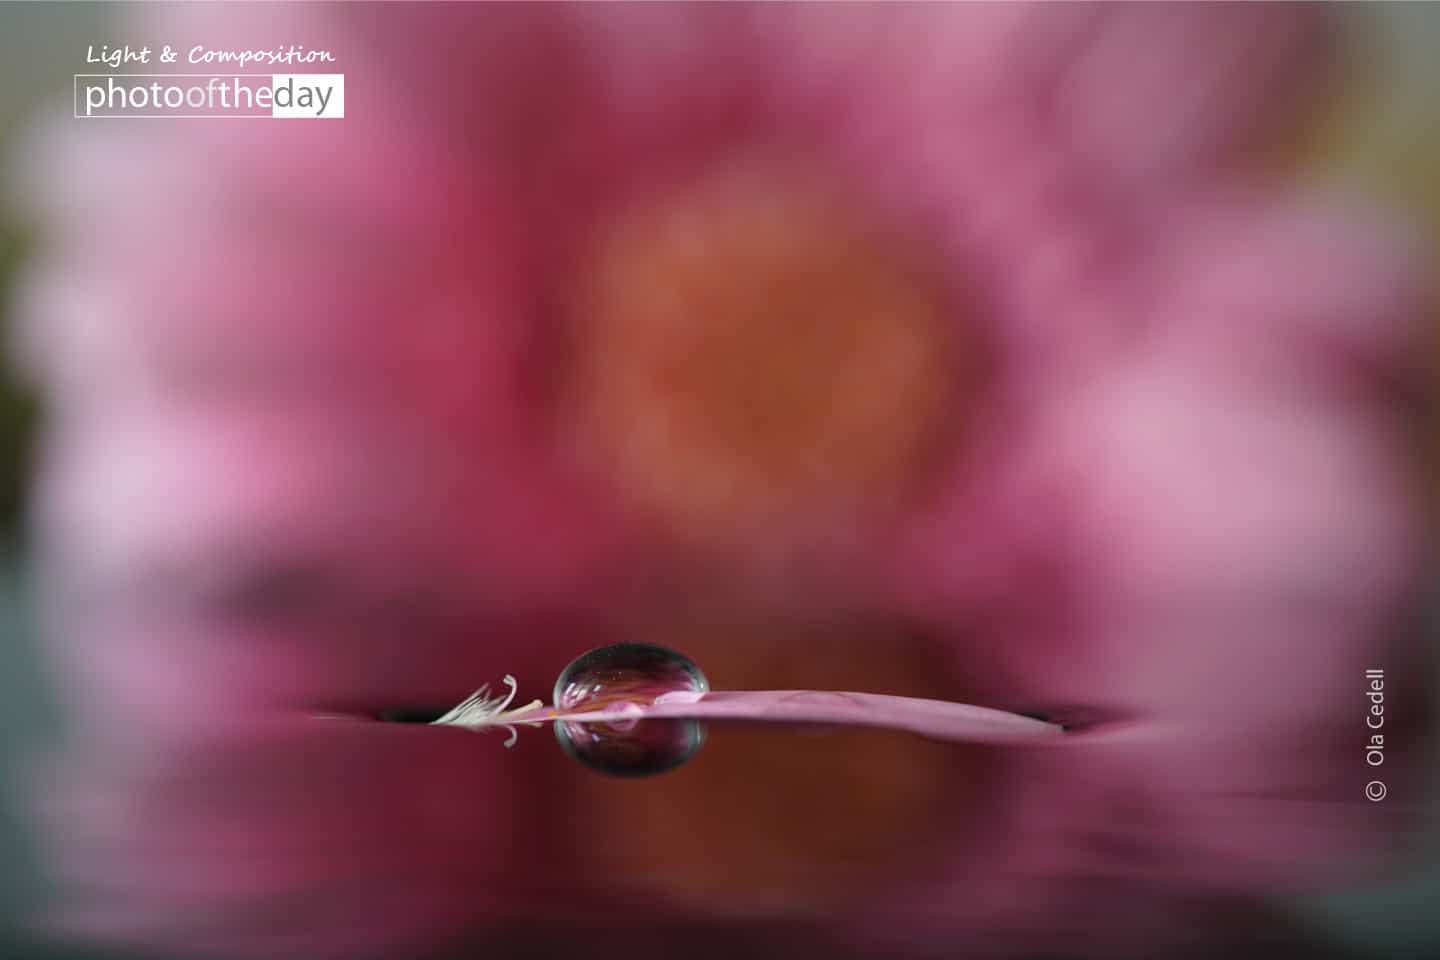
(304, 453)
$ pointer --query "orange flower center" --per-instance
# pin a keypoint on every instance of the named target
(750, 358)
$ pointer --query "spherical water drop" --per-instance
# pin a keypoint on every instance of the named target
(612, 677)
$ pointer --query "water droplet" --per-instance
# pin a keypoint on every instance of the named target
(629, 673)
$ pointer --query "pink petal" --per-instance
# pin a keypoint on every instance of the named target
(1166, 93)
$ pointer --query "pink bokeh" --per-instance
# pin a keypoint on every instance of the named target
(301, 458)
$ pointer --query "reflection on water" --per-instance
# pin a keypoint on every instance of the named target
(228, 818)
(367, 833)
(299, 835)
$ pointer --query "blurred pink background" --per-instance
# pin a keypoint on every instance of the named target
(1058, 358)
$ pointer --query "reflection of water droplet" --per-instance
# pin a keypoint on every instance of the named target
(634, 674)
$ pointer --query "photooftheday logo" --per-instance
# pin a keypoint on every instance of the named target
(308, 96)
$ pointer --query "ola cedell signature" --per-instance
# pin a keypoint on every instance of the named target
(1375, 718)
